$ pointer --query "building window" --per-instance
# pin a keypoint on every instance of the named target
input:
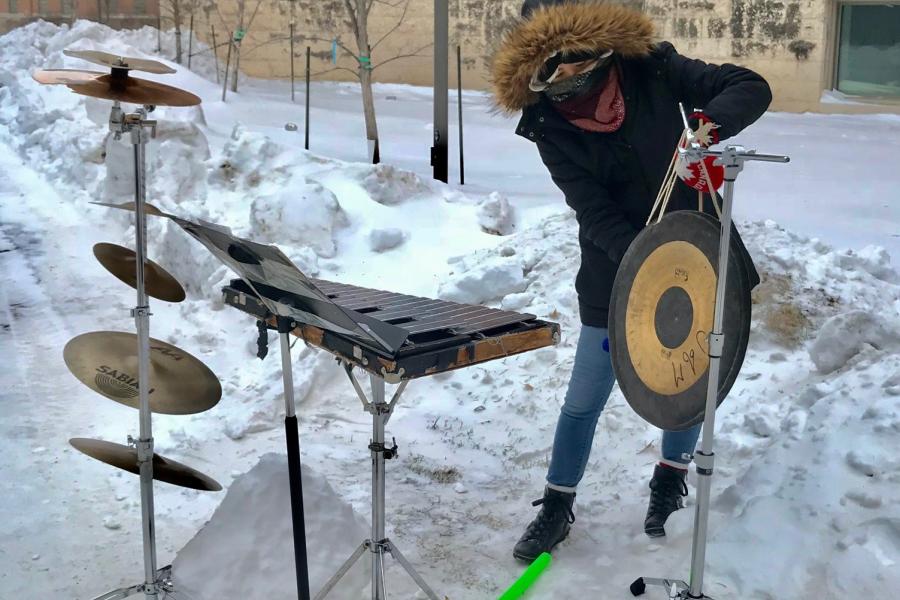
(869, 50)
(140, 7)
(42, 7)
(13, 6)
(67, 7)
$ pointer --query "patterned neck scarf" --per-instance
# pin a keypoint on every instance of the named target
(601, 109)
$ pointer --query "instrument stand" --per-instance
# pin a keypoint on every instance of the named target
(378, 544)
(155, 581)
(732, 159)
(291, 431)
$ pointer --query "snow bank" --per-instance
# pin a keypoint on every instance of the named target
(246, 550)
(817, 500)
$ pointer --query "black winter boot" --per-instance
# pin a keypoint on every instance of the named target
(550, 527)
(667, 488)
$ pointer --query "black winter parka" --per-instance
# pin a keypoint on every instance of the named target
(612, 179)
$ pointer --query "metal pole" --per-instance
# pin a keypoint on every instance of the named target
(191, 39)
(378, 507)
(462, 167)
(142, 324)
(215, 50)
(158, 27)
(705, 459)
(306, 142)
(227, 64)
(292, 61)
(294, 466)
(439, 154)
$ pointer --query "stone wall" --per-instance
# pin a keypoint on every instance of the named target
(119, 14)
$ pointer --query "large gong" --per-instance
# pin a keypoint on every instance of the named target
(661, 313)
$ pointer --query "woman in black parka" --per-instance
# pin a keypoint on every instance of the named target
(600, 100)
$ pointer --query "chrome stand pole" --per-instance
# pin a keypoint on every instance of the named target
(378, 544)
(378, 508)
(155, 581)
(732, 158)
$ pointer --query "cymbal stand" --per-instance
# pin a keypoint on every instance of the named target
(378, 544)
(155, 581)
(732, 158)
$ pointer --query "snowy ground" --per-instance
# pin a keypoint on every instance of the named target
(808, 485)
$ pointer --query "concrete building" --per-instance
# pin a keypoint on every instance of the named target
(115, 13)
(807, 49)
(818, 55)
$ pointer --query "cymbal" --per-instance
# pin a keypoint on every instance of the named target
(107, 362)
(149, 209)
(121, 262)
(120, 62)
(661, 314)
(125, 458)
(121, 88)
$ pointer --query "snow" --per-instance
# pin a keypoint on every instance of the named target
(807, 480)
(255, 516)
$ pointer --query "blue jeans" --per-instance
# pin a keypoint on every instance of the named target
(589, 388)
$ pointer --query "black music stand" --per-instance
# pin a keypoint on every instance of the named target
(293, 299)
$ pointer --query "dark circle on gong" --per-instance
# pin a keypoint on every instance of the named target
(674, 317)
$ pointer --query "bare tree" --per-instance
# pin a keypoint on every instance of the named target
(356, 14)
(174, 9)
(238, 30)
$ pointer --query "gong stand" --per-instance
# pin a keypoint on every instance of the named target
(378, 544)
(135, 124)
(732, 158)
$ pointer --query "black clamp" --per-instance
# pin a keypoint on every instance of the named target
(262, 341)
(389, 453)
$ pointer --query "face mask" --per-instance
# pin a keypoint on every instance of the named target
(578, 84)
(542, 80)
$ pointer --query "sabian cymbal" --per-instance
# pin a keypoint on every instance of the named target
(661, 313)
(118, 87)
(120, 62)
(125, 458)
(149, 209)
(121, 262)
(107, 362)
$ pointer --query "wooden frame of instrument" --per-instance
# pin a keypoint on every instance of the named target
(414, 359)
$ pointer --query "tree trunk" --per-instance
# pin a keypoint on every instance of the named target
(237, 46)
(365, 81)
(176, 16)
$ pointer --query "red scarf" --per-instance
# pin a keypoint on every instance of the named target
(602, 110)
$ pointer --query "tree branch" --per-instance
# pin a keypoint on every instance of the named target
(253, 16)
(354, 20)
(339, 43)
(395, 27)
(393, 58)
(355, 73)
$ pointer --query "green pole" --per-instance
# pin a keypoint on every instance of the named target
(531, 574)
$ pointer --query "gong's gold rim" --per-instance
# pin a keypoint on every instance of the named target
(670, 371)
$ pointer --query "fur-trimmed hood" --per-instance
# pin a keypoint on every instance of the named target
(565, 27)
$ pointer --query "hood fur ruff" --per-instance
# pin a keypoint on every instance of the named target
(565, 27)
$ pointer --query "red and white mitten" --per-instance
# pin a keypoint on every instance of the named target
(693, 173)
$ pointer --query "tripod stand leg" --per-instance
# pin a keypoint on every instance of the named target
(342, 571)
(395, 552)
